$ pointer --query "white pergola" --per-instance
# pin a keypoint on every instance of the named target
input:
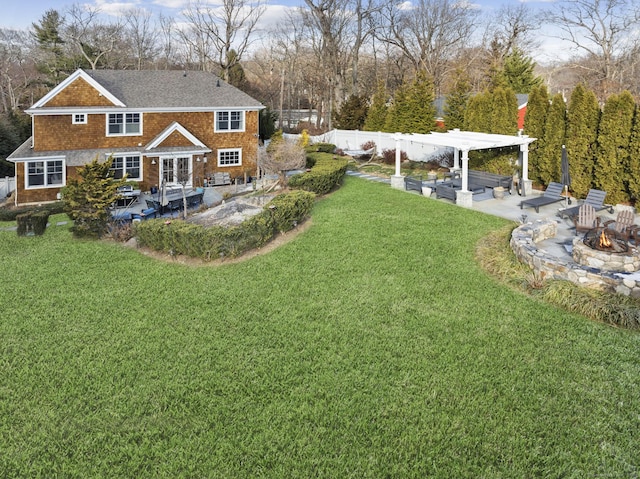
(465, 141)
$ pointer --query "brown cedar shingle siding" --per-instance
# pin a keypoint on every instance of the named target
(78, 94)
(53, 133)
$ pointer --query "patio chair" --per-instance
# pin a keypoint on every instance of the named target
(594, 198)
(586, 219)
(624, 225)
(552, 194)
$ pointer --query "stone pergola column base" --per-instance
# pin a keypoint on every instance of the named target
(527, 187)
(397, 182)
(464, 198)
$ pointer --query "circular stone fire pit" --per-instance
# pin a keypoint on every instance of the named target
(606, 250)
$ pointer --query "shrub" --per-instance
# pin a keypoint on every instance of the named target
(389, 156)
(367, 145)
(182, 238)
(323, 177)
(11, 213)
(323, 147)
(32, 222)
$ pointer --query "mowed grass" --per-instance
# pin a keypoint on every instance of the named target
(372, 345)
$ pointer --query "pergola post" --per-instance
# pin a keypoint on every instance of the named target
(464, 197)
(526, 186)
(397, 180)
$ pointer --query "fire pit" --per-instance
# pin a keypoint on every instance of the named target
(607, 250)
(605, 239)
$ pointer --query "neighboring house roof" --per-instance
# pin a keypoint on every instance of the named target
(159, 90)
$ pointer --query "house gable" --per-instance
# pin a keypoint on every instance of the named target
(174, 135)
(78, 90)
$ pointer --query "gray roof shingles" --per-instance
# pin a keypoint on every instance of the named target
(157, 89)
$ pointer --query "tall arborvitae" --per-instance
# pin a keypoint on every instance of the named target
(456, 101)
(632, 172)
(554, 131)
(420, 114)
(583, 115)
(614, 135)
(397, 111)
(478, 114)
(534, 122)
(504, 111)
(377, 114)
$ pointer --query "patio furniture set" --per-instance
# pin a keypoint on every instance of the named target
(478, 182)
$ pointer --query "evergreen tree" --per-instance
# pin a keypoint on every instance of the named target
(397, 111)
(478, 114)
(534, 122)
(614, 135)
(518, 72)
(504, 111)
(554, 138)
(237, 77)
(377, 113)
(88, 196)
(47, 34)
(267, 123)
(582, 129)
(420, 114)
(456, 101)
(633, 167)
(352, 114)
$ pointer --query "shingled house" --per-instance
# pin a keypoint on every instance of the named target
(153, 126)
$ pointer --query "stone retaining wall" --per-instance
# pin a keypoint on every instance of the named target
(524, 241)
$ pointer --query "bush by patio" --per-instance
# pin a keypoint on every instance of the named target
(177, 237)
(326, 174)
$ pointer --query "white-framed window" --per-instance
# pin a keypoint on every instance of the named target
(177, 170)
(230, 121)
(79, 118)
(123, 124)
(230, 157)
(44, 174)
(126, 164)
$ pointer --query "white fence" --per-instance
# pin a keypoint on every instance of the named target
(7, 185)
(354, 139)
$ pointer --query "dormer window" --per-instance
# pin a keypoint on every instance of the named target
(123, 124)
(79, 118)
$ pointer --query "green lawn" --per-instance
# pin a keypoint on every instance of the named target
(371, 346)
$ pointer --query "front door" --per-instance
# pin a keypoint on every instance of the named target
(177, 170)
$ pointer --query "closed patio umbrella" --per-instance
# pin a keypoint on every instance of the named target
(566, 175)
(163, 199)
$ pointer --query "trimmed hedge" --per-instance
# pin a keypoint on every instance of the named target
(11, 213)
(33, 221)
(326, 174)
(178, 237)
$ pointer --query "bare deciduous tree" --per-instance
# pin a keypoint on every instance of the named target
(428, 33)
(281, 157)
(216, 31)
(93, 38)
(142, 35)
(600, 30)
